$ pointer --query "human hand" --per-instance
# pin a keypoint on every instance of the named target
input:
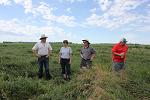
(70, 62)
(47, 56)
(81, 55)
(122, 55)
(59, 61)
(91, 59)
(37, 55)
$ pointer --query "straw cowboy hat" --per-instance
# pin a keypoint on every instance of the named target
(43, 36)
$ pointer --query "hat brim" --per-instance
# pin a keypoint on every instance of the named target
(43, 38)
(86, 41)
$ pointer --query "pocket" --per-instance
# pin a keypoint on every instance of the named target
(39, 59)
(47, 59)
(61, 61)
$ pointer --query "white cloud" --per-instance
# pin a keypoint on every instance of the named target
(18, 28)
(71, 1)
(123, 6)
(66, 20)
(15, 26)
(27, 4)
(93, 10)
(117, 15)
(47, 13)
(44, 11)
(68, 10)
(5, 2)
(104, 4)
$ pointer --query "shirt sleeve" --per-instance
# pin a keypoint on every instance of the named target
(114, 49)
(49, 46)
(60, 50)
(35, 47)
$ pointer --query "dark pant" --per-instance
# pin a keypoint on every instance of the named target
(117, 66)
(65, 66)
(43, 61)
(86, 63)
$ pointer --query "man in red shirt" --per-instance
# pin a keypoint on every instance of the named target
(119, 57)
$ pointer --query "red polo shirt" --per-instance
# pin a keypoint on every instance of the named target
(118, 48)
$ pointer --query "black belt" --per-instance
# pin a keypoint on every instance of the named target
(86, 59)
(65, 58)
(44, 56)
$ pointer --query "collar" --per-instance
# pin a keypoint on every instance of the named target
(86, 47)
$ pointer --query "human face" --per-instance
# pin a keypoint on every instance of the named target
(43, 40)
(122, 43)
(65, 44)
(85, 43)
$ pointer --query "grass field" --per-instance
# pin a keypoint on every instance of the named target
(18, 75)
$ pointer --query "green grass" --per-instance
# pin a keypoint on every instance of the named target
(18, 75)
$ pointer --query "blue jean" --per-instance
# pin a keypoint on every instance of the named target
(43, 61)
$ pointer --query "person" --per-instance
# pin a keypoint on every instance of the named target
(87, 54)
(119, 52)
(65, 55)
(42, 51)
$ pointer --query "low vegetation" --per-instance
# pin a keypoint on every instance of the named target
(18, 75)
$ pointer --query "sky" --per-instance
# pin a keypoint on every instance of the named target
(99, 21)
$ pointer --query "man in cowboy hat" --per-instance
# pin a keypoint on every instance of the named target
(87, 54)
(42, 51)
(119, 57)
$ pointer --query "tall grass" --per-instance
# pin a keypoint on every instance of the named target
(18, 75)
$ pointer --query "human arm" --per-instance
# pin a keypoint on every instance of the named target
(93, 54)
(119, 54)
(115, 51)
(70, 54)
(35, 50)
(49, 51)
(35, 53)
(81, 53)
(59, 56)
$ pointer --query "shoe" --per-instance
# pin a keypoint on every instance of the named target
(48, 78)
(65, 79)
(69, 78)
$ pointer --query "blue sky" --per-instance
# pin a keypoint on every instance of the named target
(99, 21)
